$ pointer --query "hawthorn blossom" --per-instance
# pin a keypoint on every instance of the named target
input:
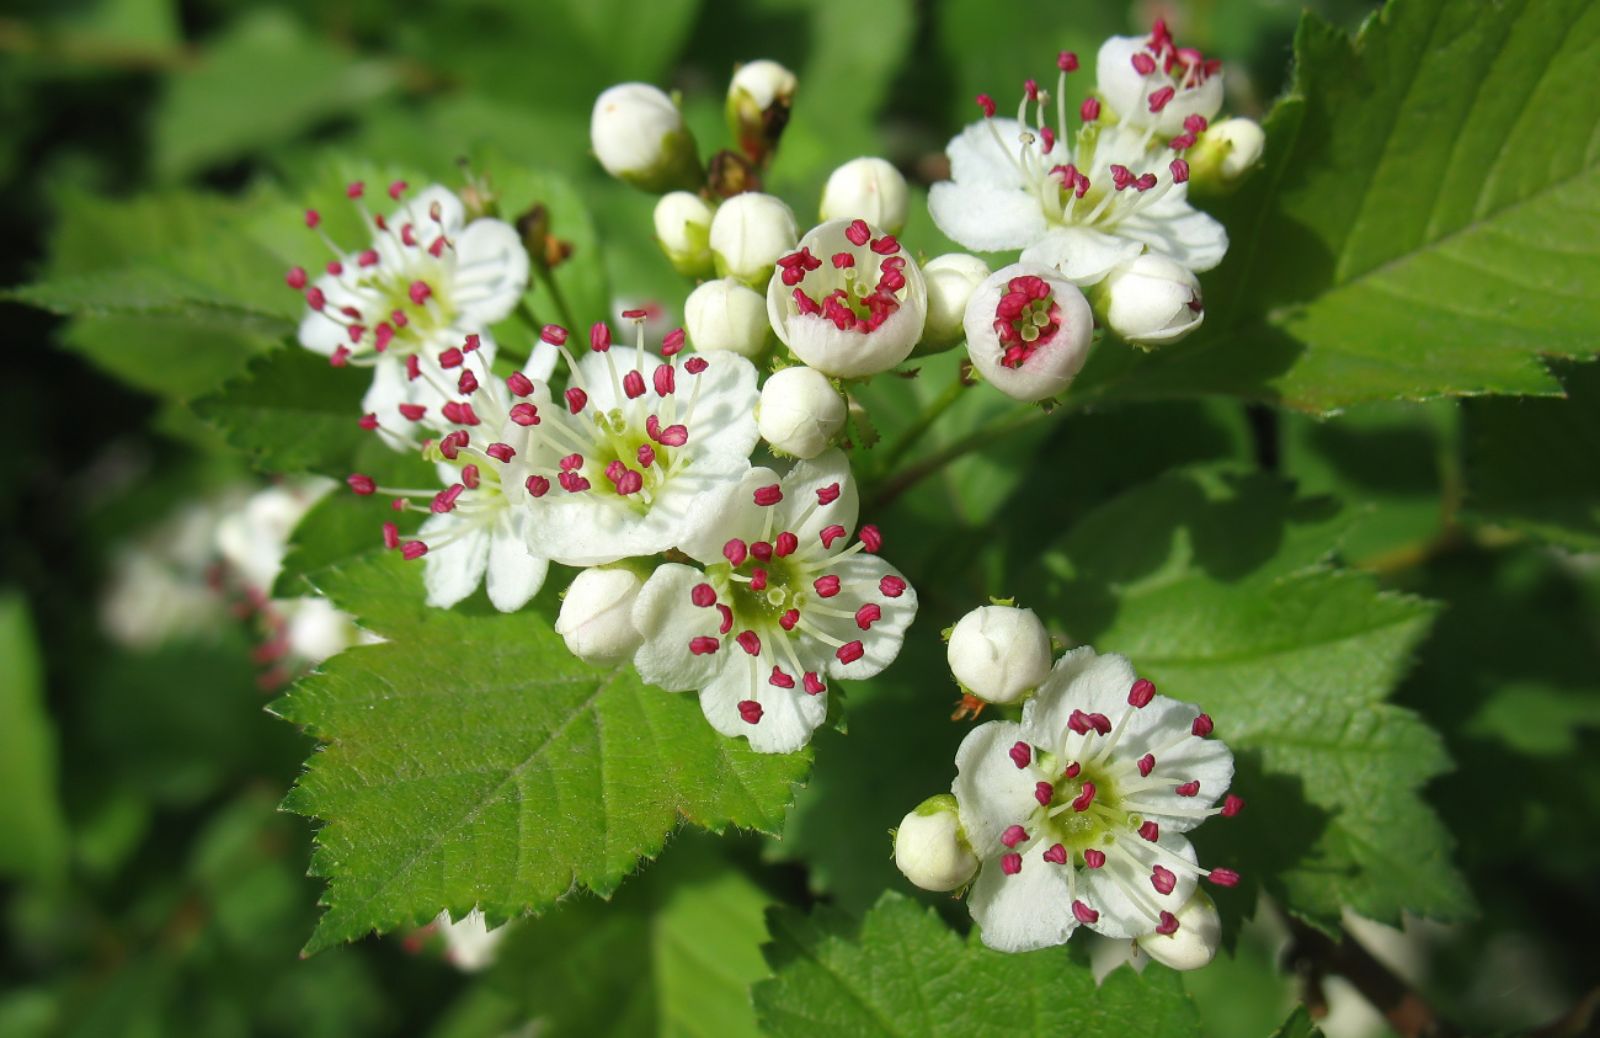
(638, 451)
(1029, 331)
(1080, 202)
(428, 279)
(477, 531)
(1151, 82)
(1078, 812)
(849, 301)
(470, 943)
(780, 604)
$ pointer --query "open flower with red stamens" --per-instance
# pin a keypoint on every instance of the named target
(1081, 201)
(782, 604)
(849, 301)
(638, 450)
(1149, 81)
(1078, 813)
(427, 281)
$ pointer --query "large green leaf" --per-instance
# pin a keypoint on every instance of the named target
(1426, 223)
(1216, 588)
(906, 973)
(472, 760)
(32, 833)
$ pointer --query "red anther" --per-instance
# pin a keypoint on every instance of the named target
(367, 258)
(785, 544)
(758, 579)
(519, 384)
(469, 476)
(1067, 61)
(761, 550)
(362, 485)
(576, 398)
(788, 620)
(1011, 864)
(868, 615)
(397, 189)
(750, 642)
(1188, 789)
(1013, 835)
(1168, 925)
(673, 436)
(1094, 858)
(1202, 726)
(891, 587)
(704, 645)
(727, 619)
(750, 711)
(1143, 691)
(637, 314)
(296, 278)
(665, 379)
(391, 536)
(1085, 797)
(537, 486)
(382, 336)
(1089, 111)
(1147, 764)
(842, 260)
(467, 384)
(646, 455)
(399, 318)
(572, 483)
(1195, 304)
(672, 343)
(554, 334)
(599, 337)
(472, 342)
(633, 385)
(1078, 722)
(501, 452)
(1021, 754)
(1100, 723)
(356, 332)
(814, 685)
(1056, 855)
(1071, 771)
(986, 104)
(1083, 913)
(436, 249)
(1121, 176)
(792, 277)
(695, 365)
(1195, 124)
(888, 245)
(1150, 831)
(768, 495)
(849, 652)
(1232, 805)
(703, 595)
(524, 414)
(413, 412)
(315, 299)
(413, 550)
(368, 422)
(1030, 89)
(572, 462)
(827, 586)
(408, 236)
(858, 233)
(445, 500)
(871, 539)
(1145, 182)
(779, 679)
(1163, 880)
(1047, 138)
(1224, 877)
(828, 495)
(630, 482)
(1160, 98)
(355, 189)
(736, 551)
(830, 534)
(1143, 64)
(1044, 792)
(419, 292)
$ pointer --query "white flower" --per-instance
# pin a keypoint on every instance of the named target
(428, 280)
(1081, 203)
(726, 314)
(800, 412)
(1028, 331)
(1150, 300)
(253, 539)
(999, 653)
(636, 452)
(1226, 152)
(1194, 943)
(683, 229)
(759, 98)
(869, 189)
(849, 302)
(779, 607)
(469, 942)
(1078, 813)
(1150, 82)
(640, 137)
(748, 234)
(596, 618)
(951, 279)
(930, 849)
(315, 629)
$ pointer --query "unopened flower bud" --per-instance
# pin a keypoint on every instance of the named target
(999, 653)
(1149, 300)
(683, 228)
(930, 848)
(867, 189)
(727, 315)
(800, 412)
(640, 137)
(951, 279)
(1224, 154)
(1028, 331)
(1194, 943)
(596, 615)
(759, 98)
(748, 234)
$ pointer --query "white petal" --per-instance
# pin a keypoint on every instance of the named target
(452, 571)
(1083, 256)
(985, 153)
(491, 272)
(1031, 909)
(319, 331)
(800, 486)
(881, 643)
(541, 363)
(1206, 761)
(1081, 680)
(388, 391)
(993, 792)
(842, 353)
(788, 716)
(1121, 891)
(726, 514)
(514, 573)
(724, 420)
(667, 618)
(986, 219)
(1189, 237)
(418, 209)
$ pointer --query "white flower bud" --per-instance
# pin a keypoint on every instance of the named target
(683, 228)
(930, 849)
(999, 653)
(748, 234)
(469, 943)
(1150, 300)
(596, 615)
(727, 315)
(316, 629)
(849, 301)
(1028, 331)
(1131, 93)
(1194, 943)
(951, 279)
(640, 137)
(867, 189)
(759, 98)
(800, 412)
(1225, 153)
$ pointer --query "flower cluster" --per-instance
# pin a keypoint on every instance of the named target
(1076, 815)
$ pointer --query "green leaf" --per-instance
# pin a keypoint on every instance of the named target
(582, 276)
(1418, 230)
(906, 973)
(33, 835)
(1526, 463)
(674, 953)
(472, 760)
(339, 529)
(1215, 586)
